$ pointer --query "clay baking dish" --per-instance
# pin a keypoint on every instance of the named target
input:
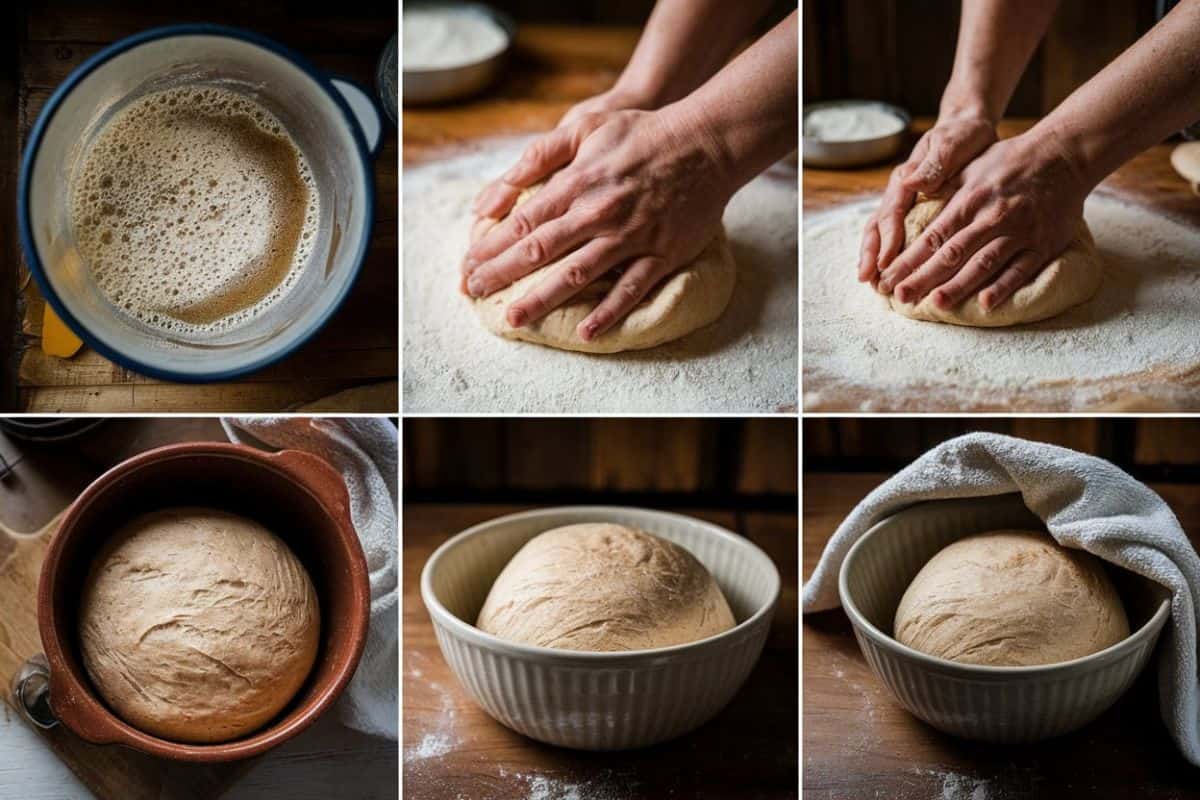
(296, 495)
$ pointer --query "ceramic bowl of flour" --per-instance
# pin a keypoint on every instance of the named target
(598, 700)
(852, 133)
(453, 49)
(995, 704)
(195, 289)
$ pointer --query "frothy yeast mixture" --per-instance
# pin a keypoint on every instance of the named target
(194, 210)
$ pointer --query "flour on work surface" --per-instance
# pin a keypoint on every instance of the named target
(1142, 319)
(745, 362)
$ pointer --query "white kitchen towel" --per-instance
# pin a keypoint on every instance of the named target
(365, 450)
(1087, 503)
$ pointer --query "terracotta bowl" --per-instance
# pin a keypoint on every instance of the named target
(296, 495)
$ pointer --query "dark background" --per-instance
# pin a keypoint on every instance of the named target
(1151, 449)
(712, 463)
(901, 51)
(606, 12)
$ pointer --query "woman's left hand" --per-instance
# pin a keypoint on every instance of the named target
(641, 190)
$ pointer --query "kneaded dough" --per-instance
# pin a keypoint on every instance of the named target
(687, 300)
(1067, 281)
(599, 586)
(197, 625)
(1010, 598)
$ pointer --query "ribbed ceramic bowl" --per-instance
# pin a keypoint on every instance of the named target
(995, 704)
(598, 701)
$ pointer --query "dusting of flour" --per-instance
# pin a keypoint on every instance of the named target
(745, 362)
(1141, 323)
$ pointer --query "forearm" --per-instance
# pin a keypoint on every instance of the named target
(1149, 92)
(996, 40)
(747, 114)
(684, 43)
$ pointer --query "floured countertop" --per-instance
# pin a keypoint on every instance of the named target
(1133, 346)
(746, 362)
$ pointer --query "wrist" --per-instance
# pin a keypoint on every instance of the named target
(1068, 149)
(967, 105)
(690, 129)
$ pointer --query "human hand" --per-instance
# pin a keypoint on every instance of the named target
(644, 191)
(1010, 212)
(938, 157)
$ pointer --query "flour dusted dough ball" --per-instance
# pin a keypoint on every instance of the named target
(598, 586)
(1010, 599)
(1067, 281)
(685, 301)
(197, 625)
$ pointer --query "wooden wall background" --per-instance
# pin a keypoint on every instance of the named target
(701, 462)
(901, 51)
(604, 12)
(1153, 448)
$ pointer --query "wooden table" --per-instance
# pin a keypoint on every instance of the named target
(358, 348)
(552, 67)
(860, 743)
(319, 763)
(1148, 179)
(453, 749)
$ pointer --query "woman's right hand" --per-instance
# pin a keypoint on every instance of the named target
(940, 155)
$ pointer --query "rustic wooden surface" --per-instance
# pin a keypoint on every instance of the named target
(1148, 179)
(453, 749)
(358, 347)
(46, 479)
(552, 67)
(860, 743)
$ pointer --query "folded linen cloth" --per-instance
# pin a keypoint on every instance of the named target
(1087, 503)
(365, 450)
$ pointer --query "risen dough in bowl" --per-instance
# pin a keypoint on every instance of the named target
(1010, 599)
(599, 586)
(684, 301)
(1067, 281)
(197, 625)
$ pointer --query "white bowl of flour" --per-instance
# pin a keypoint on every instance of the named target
(452, 50)
(850, 133)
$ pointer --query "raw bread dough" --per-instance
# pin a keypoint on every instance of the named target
(599, 586)
(197, 625)
(689, 299)
(1010, 599)
(1067, 281)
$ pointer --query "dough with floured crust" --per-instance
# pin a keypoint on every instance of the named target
(599, 586)
(685, 301)
(1069, 280)
(1010, 599)
(197, 625)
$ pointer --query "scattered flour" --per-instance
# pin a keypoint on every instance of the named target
(851, 123)
(607, 786)
(445, 37)
(1142, 319)
(444, 737)
(745, 362)
(432, 746)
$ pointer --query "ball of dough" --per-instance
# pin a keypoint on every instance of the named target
(197, 625)
(685, 301)
(1010, 599)
(1067, 281)
(598, 586)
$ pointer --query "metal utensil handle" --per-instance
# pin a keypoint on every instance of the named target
(31, 690)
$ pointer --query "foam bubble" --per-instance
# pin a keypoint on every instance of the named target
(194, 210)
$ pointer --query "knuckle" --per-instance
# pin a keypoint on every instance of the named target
(630, 290)
(952, 254)
(533, 250)
(934, 238)
(577, 276)
(520, 223)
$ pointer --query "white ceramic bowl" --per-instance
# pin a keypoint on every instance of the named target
(995, 704)
(587, 700)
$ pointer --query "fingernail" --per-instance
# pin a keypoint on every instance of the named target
(588, 332)
(517, 317)
(475, 288)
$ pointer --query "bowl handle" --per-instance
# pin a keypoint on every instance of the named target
(366, 113)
